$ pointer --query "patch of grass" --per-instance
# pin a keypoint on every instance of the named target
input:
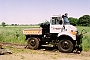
(18, 50)
(53, 57)
(22, 57)
(8, 34)
(14, 34)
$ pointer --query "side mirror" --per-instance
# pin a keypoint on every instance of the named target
(60, 22)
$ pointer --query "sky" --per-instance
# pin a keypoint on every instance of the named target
(37, 11)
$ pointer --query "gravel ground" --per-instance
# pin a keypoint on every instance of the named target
(27, 54)
(20, 53)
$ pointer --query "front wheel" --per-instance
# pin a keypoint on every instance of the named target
(65, 46)
(33, 43)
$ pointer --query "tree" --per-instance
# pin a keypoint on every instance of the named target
(84, 20)
(73, 21)
(46, 22)
(3, 24)
(15, 24)
(12, 24)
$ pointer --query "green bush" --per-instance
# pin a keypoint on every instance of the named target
(8, 34)
(86, 38)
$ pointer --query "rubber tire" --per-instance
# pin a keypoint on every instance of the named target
(70, 49)
(36, 43)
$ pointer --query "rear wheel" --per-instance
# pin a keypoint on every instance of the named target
(33, 43)
(65, 46)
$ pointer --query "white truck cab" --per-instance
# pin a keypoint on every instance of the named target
(62, 27)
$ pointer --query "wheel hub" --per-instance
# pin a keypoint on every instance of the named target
(32, 42)
(65, 45)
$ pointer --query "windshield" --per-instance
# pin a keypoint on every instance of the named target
(55, 22)
(66, 21)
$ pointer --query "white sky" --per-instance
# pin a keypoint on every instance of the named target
(36, 11)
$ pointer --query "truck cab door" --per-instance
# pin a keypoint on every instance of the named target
(55, 26)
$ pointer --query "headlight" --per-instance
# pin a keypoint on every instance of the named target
(73, 32)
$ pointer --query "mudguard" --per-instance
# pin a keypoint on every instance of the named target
(67, 34)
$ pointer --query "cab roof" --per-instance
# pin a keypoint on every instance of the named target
(56, 16)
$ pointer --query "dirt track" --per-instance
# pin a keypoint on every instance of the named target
(42, 54)
(45, 55)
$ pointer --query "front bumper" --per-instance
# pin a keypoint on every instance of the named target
(79, 42)
(79, 39)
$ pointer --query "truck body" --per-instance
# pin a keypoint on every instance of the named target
(58, 33)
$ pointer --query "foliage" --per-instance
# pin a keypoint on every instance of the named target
(8, 34)
(46, 22)
(14, 24)
(3, 24)
(73, 21)
(86, 38)
(84, 20)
